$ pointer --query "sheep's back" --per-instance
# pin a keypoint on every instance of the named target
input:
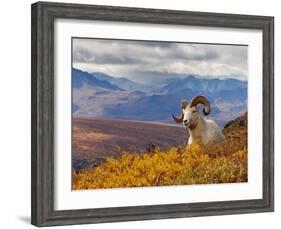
(213, 133)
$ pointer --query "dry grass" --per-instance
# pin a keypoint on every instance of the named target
(95, 140)
(193, 166)
(220, 163)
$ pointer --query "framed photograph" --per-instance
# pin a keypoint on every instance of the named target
(142, 114)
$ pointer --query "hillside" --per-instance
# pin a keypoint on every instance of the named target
(122, 82)
(80, 78)
(94, 140)
(102, 96)
(236, 130)
(220, 163)
(203, 84)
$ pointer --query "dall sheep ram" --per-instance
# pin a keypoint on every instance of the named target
(201, 130)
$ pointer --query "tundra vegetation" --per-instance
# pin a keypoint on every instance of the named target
(224, 162)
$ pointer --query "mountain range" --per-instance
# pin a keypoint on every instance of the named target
(122, 82)
(103, 96)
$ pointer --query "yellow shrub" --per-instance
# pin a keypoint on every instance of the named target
(194, 165)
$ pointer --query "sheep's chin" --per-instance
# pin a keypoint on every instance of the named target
(186, 124)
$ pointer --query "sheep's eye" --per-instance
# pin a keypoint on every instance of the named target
(194, 111)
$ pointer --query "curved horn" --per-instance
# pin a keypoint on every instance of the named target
(201, 99)
(184, 104)
(178, 119)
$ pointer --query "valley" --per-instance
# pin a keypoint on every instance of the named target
(94, 140)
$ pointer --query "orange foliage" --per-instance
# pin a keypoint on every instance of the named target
(193, 165)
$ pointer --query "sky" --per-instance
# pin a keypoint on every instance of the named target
(149, 62)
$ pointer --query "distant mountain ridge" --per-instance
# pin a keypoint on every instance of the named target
(203, 84)
(122, 82)
(100, 95)
(80, 78)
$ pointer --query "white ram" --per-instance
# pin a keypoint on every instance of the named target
(201, 130)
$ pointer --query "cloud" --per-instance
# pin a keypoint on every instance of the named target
(142, 59)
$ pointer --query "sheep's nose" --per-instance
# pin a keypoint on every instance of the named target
(185, 122)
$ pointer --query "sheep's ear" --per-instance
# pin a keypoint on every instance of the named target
(184, 104)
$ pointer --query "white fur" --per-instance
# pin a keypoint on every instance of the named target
(205, 131)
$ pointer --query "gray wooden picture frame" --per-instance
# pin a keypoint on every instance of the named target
(43, 16)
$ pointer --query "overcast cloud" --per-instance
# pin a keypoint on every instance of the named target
(143, 61)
